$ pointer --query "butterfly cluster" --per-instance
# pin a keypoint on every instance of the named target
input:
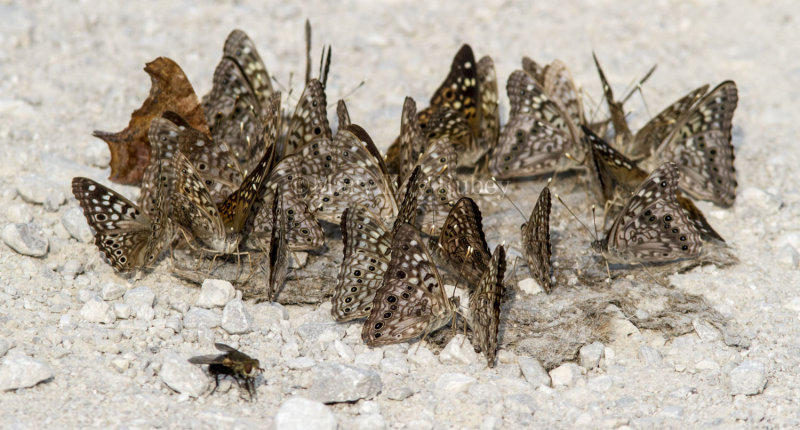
(242, 179)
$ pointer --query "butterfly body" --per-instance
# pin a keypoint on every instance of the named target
(484, 305)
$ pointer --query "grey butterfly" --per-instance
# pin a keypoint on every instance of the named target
(218, 228)
(652, 226)
(367, 252)
(411, 301)
(359, 178)
(538, 132)
(536, 241)
(484, 306)
(618, 177)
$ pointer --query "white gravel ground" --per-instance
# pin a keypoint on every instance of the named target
(112, 351)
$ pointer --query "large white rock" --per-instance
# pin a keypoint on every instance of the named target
(299, 413)
(17, 370)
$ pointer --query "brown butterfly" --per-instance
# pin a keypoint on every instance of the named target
(411, 300)
(461, 243)
(484, 306)
(536, 241)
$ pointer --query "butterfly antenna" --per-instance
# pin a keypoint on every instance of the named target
(638, 86)
(349, 93)
(325, 66)
(574, 216)
(509, 199)
(308, 51)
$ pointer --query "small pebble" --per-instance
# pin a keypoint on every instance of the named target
(123, 311)
(530, 286)
(112, 291)
(421, 356)
(215, 293)
(26, 239)
(344, 350)
(199, 317)
(649, 356)
(299, 413)
(140, 296)
(399, 393)
(75, 223)
(749, 377)
(706, 331)
(36, 189)
(589, 355)
(454, 382)
(787, 256)
(97, 311)
(184, 377)
(395, 365)
(17, 370)
(235, 318)
(533, 371)
(335, 383)
(19, 213)
(601, 383)
(458, 351)
(565, 375)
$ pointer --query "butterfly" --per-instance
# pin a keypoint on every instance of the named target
(618, 177)
(484, 306)
(129, 238)
(367, 252)
(652, 226)
(536, 241)
(695, 133)
(278, 251)
(538, 133)
(461, 242)
(437, 187)
(218, 226)
(411, 300)
(463, 108)
(240, 72)
(233, 362)
(358, 178)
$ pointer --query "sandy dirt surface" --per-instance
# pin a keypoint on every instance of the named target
(69, 69)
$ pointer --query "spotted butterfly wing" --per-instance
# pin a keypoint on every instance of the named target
(310, 119)
(129, 238)
(461, 243)
(360, 179)
(700, 144)
(618, 177)
(489, 109)
(411, 301)
(537, 133)
(559, 85)
(459, 90)
(484, 306)
(367, 252)
(536, 244)
(436, 186)
(652, 226)
(241, 71)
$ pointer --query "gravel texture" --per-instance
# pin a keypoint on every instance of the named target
(81, 346)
